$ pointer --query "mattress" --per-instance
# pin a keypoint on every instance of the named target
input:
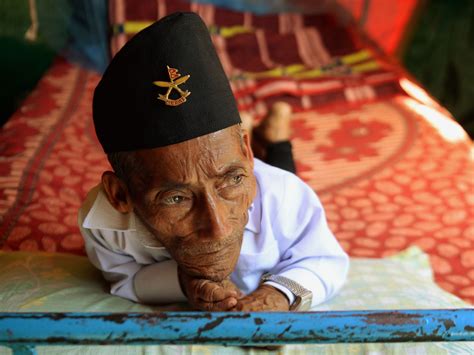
(59, 282)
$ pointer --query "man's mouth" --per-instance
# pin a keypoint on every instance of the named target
(206, 250)
(214, 264)
(209, 259)
(209, 248)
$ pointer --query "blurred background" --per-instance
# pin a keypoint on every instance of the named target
(433, 39)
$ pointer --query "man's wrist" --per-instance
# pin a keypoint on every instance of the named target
(302, 296)
(288, 294)
(276, 291)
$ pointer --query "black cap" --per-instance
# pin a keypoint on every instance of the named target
(131, 108)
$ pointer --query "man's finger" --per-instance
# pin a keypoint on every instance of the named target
(213, 292)
(224, 305)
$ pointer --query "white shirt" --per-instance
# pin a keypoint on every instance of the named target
(286, 234)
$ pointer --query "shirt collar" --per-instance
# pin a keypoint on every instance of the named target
(103, 215)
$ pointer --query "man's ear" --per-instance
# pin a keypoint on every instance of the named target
(248, 152)
(117, 192)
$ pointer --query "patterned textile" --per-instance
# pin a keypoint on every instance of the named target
(386, 175)
(49, 160)
(41, 282)
(307, 60)
(390, 165)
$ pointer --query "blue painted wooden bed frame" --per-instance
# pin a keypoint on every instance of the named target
(23, 331)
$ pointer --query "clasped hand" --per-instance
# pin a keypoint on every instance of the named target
(221, 296)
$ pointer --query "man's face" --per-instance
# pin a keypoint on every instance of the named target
(194, 197)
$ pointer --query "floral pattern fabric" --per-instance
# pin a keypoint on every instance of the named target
(416, 187)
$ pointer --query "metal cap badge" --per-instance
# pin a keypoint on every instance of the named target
(172, 84)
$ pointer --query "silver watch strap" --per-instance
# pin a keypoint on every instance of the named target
(303, 295)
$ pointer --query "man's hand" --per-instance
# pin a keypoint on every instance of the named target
(208, 295)
(264, 298)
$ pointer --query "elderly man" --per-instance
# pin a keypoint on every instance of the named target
(188, 214)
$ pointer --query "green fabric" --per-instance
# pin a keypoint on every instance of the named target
(74, 29)
(440, 55)
(14, 17)
(53, 18)
(38, 282)
(22, 64)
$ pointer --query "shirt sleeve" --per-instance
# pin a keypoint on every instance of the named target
(166, 289)
(310, 254)
(156, 283)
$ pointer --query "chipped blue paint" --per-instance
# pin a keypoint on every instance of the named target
(235, 328)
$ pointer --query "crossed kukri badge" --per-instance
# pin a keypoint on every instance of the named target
(173, 84)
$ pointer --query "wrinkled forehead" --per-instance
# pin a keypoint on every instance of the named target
(207, 155)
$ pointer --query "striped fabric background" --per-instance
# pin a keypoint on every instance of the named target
(306, 60)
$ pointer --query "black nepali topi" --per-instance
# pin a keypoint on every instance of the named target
(165, 86)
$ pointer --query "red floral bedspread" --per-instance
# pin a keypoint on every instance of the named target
(388, 176)
(390, 166)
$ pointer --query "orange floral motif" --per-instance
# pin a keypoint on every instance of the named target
(354, 140)
(302, 167)
(347, 152)
(35, 107)
(301, 130)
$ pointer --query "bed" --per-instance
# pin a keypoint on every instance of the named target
(394, 171)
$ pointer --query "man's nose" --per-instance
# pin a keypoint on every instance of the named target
(215, 218)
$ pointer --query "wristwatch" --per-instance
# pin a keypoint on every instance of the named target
(303, 297)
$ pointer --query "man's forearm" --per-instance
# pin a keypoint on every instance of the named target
(158, 283)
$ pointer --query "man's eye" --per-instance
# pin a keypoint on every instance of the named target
(237, 179)
(174, 200)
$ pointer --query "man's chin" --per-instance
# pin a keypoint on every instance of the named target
(215, 266)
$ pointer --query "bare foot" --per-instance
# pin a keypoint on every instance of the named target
(275, 127)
